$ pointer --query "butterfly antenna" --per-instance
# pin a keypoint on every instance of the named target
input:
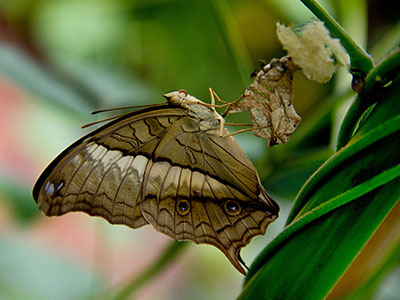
(97, 122)
(117, 108)
(126, 107)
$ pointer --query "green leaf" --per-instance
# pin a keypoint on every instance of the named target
(310, 262)
(357, 162)
(336, 212)
(373, 91)
(378, 264)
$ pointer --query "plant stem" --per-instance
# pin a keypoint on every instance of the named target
(158, 266)
(383, 72)
(323, 209)
(233, 39)
(376, 79)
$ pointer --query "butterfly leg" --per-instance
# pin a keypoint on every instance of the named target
(213, 93)
(221, 126)
(238, 124)
(243, 130)
(226, 112)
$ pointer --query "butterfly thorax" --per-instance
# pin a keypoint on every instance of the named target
(206, 115)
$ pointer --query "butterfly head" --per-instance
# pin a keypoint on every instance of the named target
(176, 98)
(182, 99)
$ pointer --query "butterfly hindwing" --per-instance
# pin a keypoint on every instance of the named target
(210, 201)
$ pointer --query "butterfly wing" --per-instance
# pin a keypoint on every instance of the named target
(202, 187)
(157, 166)
(102, 173)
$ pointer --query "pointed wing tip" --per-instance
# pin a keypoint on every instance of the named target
(233, 254)
(241, 261)
(35, 192)
(273, 207)
(239, 267)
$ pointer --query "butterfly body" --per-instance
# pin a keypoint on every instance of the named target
(168, 167)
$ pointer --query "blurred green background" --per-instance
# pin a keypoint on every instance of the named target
(60, 60)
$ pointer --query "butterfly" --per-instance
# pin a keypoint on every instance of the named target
(173, 166)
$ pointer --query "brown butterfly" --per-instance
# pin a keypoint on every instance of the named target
(173, 166)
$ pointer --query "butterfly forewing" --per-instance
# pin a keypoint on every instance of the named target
(167, 166)
(102, 173)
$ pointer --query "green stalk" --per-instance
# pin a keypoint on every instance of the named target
(166, 258)
(319, 211)
(233, 39)
(379, 76)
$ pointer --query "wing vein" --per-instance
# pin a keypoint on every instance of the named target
(119, 188)
(102, 180)
(207, 212)
(90, 173)
(87, 156)
(229, 169)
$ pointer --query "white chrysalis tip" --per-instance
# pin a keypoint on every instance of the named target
(314, 50)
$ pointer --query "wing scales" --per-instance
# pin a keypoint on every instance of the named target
(201, 187)
(168, 167)
(102, 173)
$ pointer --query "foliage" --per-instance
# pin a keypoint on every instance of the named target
(344, 202)
(66, 58)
